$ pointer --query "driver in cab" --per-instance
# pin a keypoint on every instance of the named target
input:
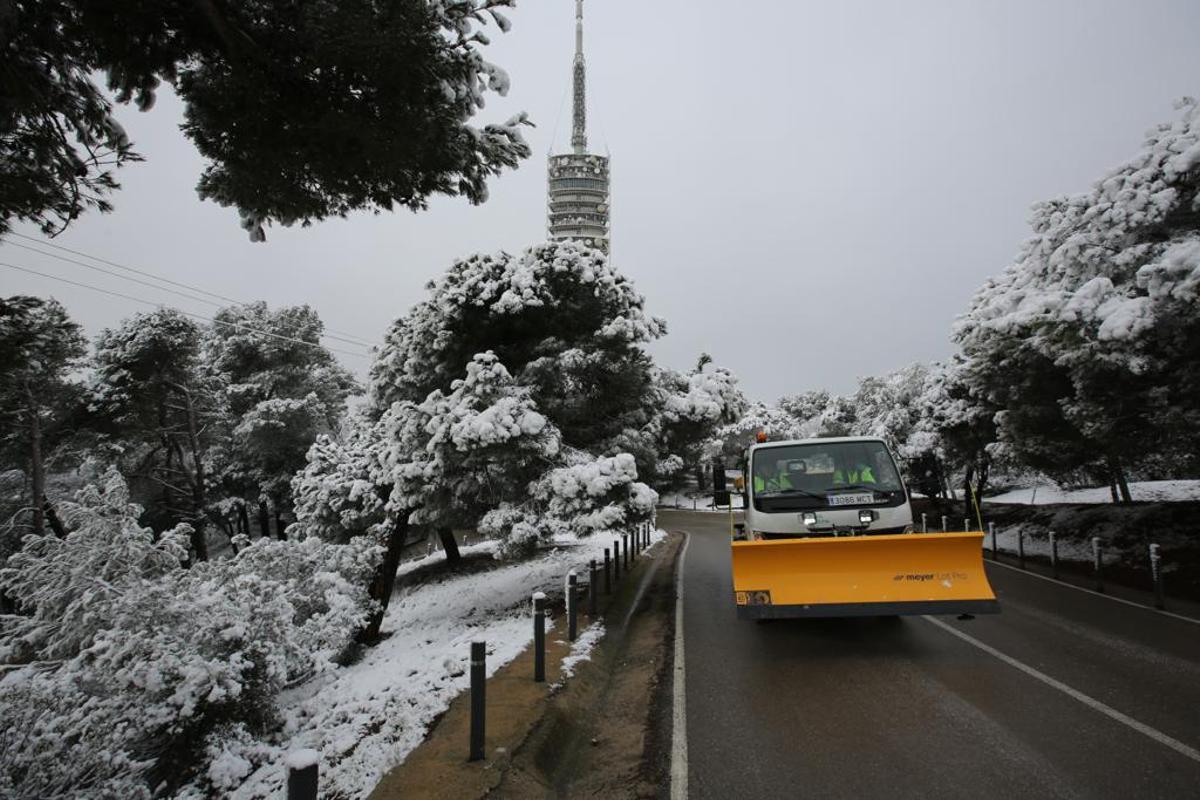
(860, 474)
(771, 476)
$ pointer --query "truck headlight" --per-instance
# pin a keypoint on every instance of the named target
(866, 516)
(808, 518)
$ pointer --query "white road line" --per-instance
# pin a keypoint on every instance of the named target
(1181, 617)
(1087, 700)
(679, 757)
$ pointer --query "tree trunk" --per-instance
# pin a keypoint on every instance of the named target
(36, 468)
(980, 485)
(264, 519)
(449, 544)
(243, 519)
(1112, 488)
(383, 582)
(55, 522)
(968, 492)
(1123, 484)
(278, 504)
(199, 518)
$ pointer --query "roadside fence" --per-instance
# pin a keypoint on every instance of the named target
(1093, 559)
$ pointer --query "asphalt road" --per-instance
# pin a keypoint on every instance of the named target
(904, 708)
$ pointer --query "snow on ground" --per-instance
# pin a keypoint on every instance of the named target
(696, 502)
(1150, 491)
(1038, 544)
(366, 718)
(581, 651)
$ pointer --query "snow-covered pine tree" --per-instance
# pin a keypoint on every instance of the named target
(297, 108)
(1089, 341)
(152, 400)
(279, 389)
(39, 345)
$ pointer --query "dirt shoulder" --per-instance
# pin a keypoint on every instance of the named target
(602, 733)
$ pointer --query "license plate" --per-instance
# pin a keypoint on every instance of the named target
(858, 499)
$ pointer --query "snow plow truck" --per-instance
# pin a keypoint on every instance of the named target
(828, 532)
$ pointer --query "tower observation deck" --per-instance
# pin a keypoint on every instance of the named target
(577, 182)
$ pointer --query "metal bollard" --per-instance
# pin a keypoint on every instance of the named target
(1156, 574)
(1053, 555)
(302, 775)
(478, 697)
(593, 589)
(607, 573)
(572, 607)
(539, 637)
(1021, 548)
(992, 531)
(617, 559)
(625, 549)
(966, 524)
(924, 525)
(1098, 563)
(943, 523)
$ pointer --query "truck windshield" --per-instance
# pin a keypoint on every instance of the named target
(823, 467)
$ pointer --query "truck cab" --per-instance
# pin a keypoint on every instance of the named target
(838, 486)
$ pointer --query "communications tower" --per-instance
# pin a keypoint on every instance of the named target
(578, 181)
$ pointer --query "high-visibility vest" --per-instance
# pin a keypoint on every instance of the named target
(780, 481)
(863, 475)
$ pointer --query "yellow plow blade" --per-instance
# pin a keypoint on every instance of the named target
(851, 576)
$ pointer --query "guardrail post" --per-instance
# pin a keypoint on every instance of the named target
(1021, 548)
(539, 637)
(1098, 563)
(478, 697)
(1053, 555)
(607, 573)
(302, 775)
(924, 524)
(572, 607)
(992, 531)
(593, 589)
(1156, 574)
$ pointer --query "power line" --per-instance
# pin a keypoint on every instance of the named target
(155, 286)
(117, 274)
(356, 339)
(181, 311)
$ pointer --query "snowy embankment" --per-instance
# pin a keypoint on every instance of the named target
(1143, 491)
(365, 719)
(696, 502)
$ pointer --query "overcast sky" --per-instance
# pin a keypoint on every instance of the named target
(811, 192)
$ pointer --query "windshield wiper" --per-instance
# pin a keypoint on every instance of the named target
(804, 492)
